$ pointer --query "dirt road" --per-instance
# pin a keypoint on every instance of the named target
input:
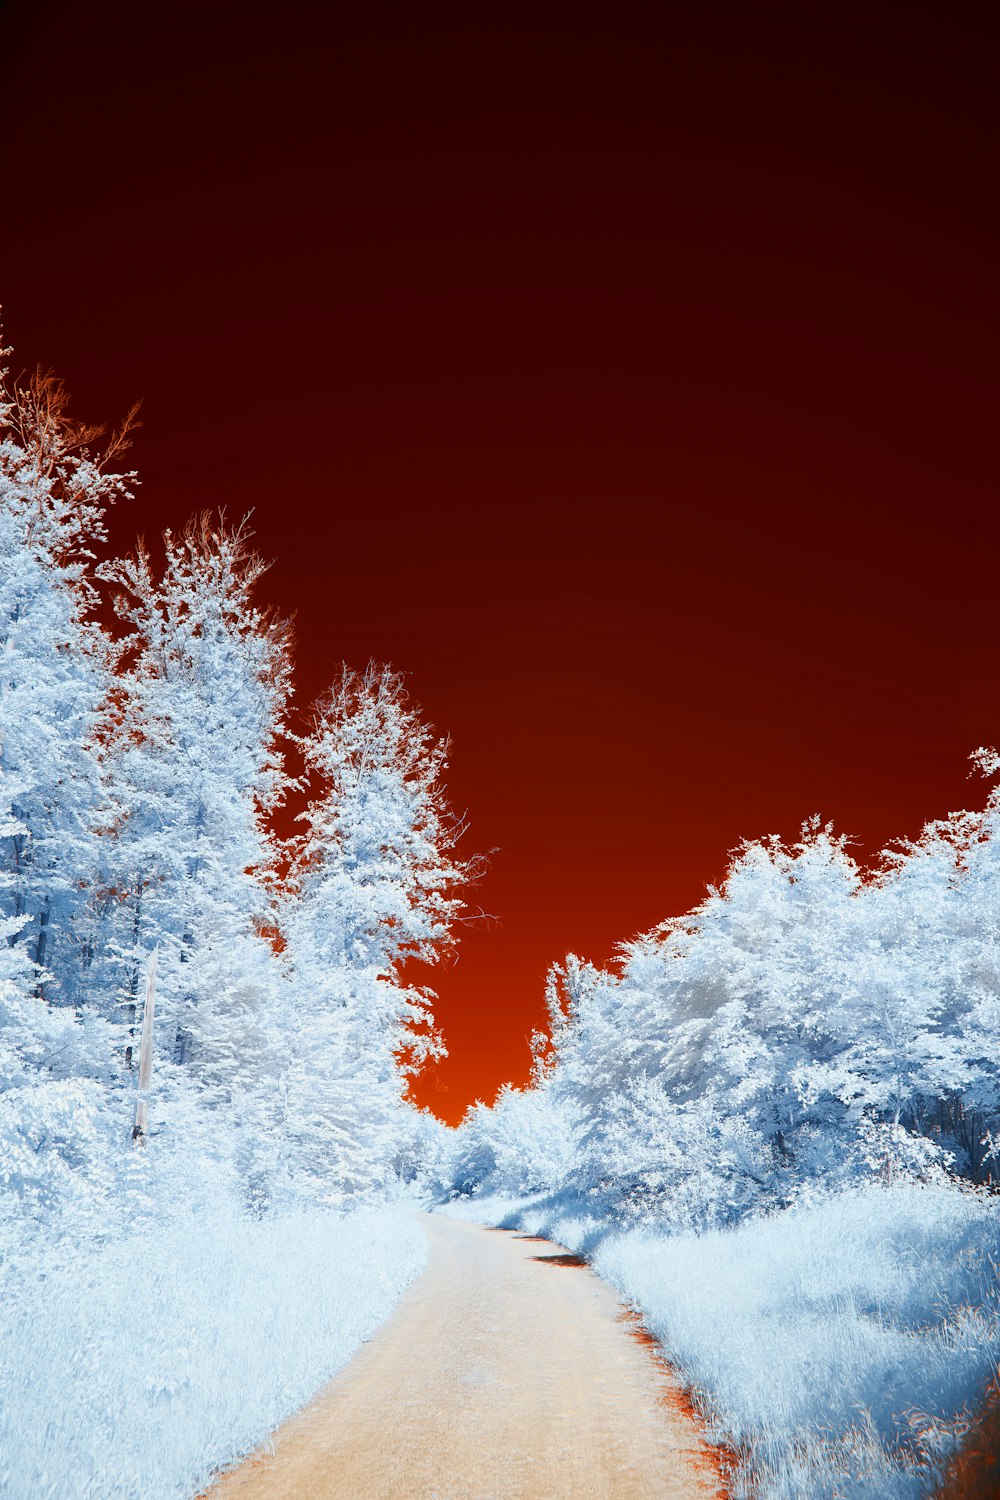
(507, 1372)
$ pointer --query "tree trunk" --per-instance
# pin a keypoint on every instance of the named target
(41, 945)
(140, 1129)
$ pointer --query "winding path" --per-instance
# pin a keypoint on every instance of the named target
(507, 1372)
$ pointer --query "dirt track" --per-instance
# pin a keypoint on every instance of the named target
(507, 1370)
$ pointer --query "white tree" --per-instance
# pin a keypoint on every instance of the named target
(197, 763)
(808, 1023)
(378, 881)
(56, 1049)
(55, 665)
(139, 772)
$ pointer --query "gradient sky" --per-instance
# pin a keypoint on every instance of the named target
(629, 383)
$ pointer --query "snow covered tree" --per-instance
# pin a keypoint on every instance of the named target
(139, 773)
(378, 881)
(808, 1024)
(55, 665)
(379, 838)
(197, 767)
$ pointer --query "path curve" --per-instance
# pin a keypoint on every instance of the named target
(508, 1371)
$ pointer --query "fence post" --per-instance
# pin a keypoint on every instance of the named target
(140, 1129)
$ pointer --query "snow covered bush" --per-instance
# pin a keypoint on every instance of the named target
(519, 1145)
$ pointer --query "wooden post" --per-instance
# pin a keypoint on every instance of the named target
(140, 1129)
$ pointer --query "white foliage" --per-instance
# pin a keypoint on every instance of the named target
(807, 1023)
(378, 883)
(137, 1367)
(768, 1103)
(166, 1305)
(839, 1349)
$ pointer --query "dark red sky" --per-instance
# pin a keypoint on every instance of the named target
(631, 383)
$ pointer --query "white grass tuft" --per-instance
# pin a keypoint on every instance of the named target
(838, 1346)
(131, 1370)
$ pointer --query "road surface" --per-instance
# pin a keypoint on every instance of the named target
(508, 1371)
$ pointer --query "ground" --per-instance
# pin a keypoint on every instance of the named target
(509, 1371)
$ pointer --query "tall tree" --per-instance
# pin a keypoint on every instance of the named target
(55, 665)
(378, 880)
(196, 751)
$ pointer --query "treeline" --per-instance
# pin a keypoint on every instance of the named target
(812, 1024)
(145, 720)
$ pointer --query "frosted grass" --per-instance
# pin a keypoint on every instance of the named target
(135, 1368)
(838, 1347)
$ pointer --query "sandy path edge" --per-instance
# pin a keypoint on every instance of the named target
(508, 1371)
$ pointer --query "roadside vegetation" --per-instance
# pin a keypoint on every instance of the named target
(771, 1123)
(205, 1032)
